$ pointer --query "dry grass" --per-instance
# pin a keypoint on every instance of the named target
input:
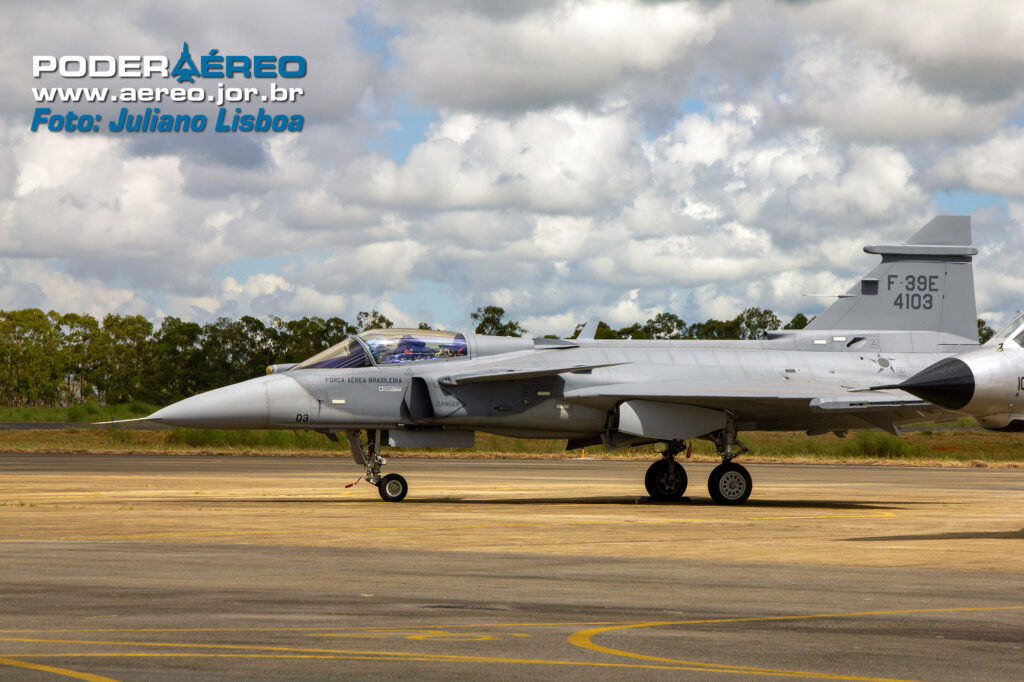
(931, 448)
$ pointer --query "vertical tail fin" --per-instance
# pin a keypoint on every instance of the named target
(926, 284)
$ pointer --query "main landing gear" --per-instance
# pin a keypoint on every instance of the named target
(666, 478)
(729, 483)
(392, 487)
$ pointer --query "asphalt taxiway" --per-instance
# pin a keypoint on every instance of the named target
(163, 567)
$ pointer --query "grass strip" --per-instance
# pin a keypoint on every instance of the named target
(925, 447)
(86, 412)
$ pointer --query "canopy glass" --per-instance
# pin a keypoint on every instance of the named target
(388, 347)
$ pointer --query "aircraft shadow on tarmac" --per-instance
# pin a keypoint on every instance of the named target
(969, 535)
(635, 500)
(631, 500)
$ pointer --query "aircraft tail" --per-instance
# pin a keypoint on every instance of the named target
(926, 284)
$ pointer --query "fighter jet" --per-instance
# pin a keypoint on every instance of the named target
(899, 347)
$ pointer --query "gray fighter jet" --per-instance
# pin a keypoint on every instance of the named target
(899, 347)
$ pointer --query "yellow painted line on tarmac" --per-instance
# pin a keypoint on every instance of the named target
(357, 628)
(584, 640)
(241, 647)
(305, 653)
(176, 495)
(56, 671)
(370, 656)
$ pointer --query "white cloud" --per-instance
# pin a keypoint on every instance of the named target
(590, 159)
(557, 53)
(876, 183)
(560, 160)
(995, 165)
(34, 158)
(32, 284)
(973, 48)
(864, 93)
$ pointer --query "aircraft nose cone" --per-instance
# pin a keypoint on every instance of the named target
(239, 406)
(948, 383)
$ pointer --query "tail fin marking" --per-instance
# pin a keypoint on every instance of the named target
(926, 284)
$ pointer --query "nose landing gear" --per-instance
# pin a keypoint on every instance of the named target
(392, 487)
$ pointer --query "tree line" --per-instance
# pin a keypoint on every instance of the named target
(54, 359)
(752, 323)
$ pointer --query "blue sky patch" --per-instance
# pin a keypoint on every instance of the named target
(964, 202)
(410, 129)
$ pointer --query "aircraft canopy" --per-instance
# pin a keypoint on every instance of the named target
(1008, 331)
(387, 347)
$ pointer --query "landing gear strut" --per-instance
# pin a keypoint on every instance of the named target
(392, 488)
(666, 478)
(729, 483)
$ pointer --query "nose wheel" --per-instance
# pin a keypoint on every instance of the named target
(392, 488)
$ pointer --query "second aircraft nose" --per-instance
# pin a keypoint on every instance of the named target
(948, 383)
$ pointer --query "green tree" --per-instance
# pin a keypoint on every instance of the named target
(218, 354)
(124, 351)
(31, 361)
(605, 331)
(296, 340)
(665, 326)
(662, 326)
(253, 345)
(490, 321)
(79, 334)
(713, 329)
(634, 331)
(337, 329)
(985, 332)
(753, 323)
(799, 321)
(177, 364)
(372, 320)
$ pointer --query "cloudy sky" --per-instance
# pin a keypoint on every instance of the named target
(563, 160)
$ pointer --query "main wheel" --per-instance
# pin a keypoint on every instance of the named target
(392, 488)
(665, 480)
(730, 484)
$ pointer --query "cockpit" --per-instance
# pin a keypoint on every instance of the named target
(379, 347)
(1014, 330)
